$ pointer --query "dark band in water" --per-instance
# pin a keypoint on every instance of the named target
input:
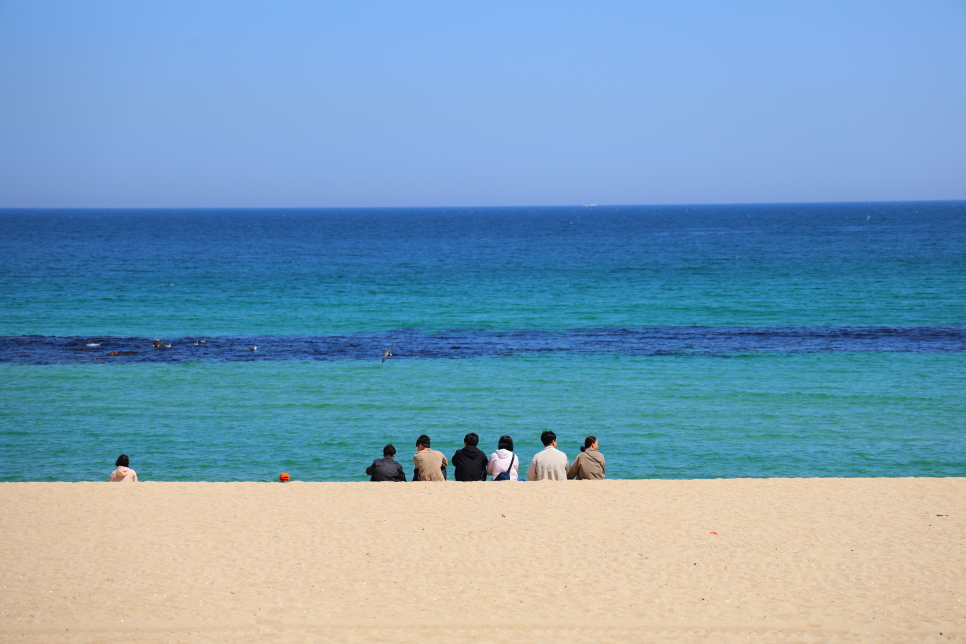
(475, 343)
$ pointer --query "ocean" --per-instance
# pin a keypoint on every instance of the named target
(794, 340)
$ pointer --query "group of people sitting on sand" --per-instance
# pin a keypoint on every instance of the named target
(471, 463)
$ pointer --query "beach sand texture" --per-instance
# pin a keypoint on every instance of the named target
(766, 560)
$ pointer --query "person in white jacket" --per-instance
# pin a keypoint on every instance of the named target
(550, 464)
(503, 459)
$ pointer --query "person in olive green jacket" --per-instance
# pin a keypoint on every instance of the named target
(590, 463)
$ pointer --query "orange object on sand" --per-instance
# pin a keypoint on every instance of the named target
(283, 477)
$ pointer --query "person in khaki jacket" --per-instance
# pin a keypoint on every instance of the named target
(589, 464)
(429, 463)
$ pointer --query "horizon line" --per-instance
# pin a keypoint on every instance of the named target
(517, 206)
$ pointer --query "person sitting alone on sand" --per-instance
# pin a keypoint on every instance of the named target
(470, 462)
(123, 473)
(550, 463)
(386, 468)
(589, 464)
(504, 460)
(429, 463)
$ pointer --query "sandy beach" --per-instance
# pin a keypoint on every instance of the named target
(769, 560)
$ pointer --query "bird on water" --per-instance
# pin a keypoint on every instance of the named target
(387, 354)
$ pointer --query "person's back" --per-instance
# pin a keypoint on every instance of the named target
(470, 462)
(549, 464)
(429, 463)
(386, 468)
(123, 473)
(590, 464)
(504, 460)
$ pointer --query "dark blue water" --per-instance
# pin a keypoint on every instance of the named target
(410, 344)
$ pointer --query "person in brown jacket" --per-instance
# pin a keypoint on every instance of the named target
(589, 464)
(429, 463)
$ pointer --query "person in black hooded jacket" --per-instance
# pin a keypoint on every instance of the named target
(470, 462)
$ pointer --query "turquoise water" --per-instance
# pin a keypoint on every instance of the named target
(812, 415)
(482, 309)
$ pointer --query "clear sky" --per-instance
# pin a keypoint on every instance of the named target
(321, 104)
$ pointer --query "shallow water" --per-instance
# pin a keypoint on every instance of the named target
(845, 414)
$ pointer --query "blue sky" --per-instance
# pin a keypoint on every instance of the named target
(260, 104)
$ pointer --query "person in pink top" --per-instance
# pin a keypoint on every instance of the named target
(504, 460)
(123, 473)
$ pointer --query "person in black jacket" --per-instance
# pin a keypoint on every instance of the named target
(470, 462)
(386, 468)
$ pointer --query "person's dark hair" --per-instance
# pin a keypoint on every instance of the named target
(423, 440)
(388, 451)
(122, 461)
(505, 443)
(547, 437)
(471, 439)
(588, 442)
